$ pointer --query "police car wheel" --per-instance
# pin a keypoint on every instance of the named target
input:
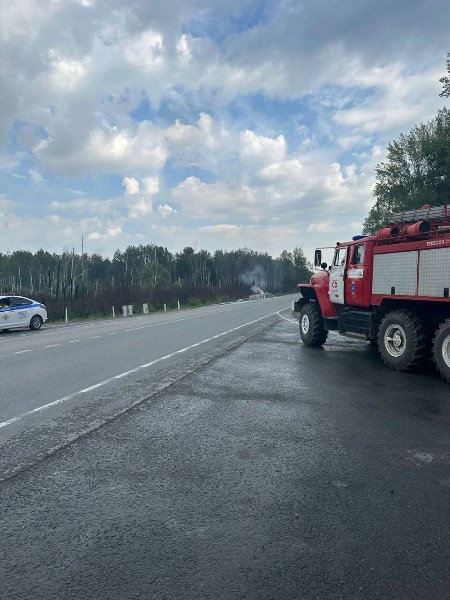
(36, 322)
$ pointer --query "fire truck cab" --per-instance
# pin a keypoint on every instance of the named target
(391, 289)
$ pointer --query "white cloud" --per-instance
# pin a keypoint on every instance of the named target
(67, 73)
(150, 185)
(205, 144)
(146, 51)
(184, 49)
(288, 170)
(108, 150)
(110, 233)
(402, 100)
(202, 200)
(220, 229)
(326, 226)
(260, 149)
(131, 186)
(140, 208)
(165, 210)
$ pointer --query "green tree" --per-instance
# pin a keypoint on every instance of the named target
(446, 80)
(301, 262)
(416, 171)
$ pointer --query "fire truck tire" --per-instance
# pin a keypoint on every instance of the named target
(401, 340)
(441, 350)
(312, 331)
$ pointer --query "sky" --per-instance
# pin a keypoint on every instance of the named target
(205, 123)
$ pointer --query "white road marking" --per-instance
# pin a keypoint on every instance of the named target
(285, 318)
(51, 346)
(296, 322)
(22, 351)
(126, 373)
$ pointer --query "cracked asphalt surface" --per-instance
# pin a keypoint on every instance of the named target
(274, 471)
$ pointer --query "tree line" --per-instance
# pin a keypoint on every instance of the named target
(90, 284)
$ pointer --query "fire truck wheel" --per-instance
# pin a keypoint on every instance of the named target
(401, 340)
(312, 331)
(441, 350)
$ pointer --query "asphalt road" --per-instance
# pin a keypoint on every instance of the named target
(44, 366)
(265, 470)
(64, 381)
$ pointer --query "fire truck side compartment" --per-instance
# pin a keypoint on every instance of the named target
(398, 271)
(434, 273)
(420, 273)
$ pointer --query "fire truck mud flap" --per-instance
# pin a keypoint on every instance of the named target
(441, 350)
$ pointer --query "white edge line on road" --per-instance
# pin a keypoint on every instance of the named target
(285, 318)
(296, 322)
(131, 371)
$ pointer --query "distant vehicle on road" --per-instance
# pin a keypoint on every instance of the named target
(18, 311)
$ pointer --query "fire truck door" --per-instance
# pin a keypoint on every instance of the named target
(356, 281)
(337, 271)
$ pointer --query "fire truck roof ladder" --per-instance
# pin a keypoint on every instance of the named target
(435, 214)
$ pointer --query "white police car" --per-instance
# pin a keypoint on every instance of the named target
(17, 311)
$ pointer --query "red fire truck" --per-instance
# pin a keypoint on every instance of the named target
(391, 289)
